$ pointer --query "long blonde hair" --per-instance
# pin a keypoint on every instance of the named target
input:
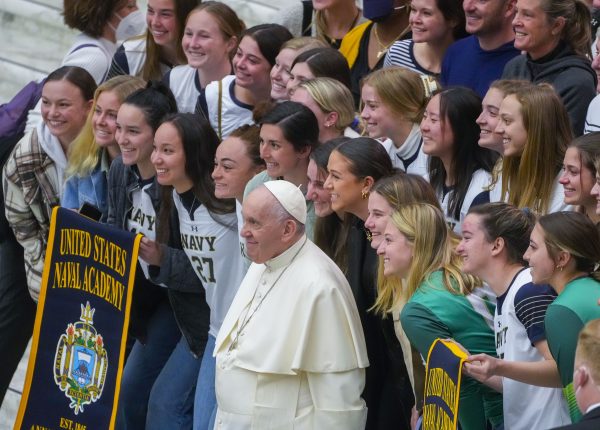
(529, 178)
(425, 228)
(398, 189)
(84, 154)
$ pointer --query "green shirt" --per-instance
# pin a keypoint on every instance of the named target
(566, 316)
(434, 312)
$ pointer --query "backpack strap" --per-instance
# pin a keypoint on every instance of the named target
(93, 45)
(201, 108)
(85, 45)
(220, 110)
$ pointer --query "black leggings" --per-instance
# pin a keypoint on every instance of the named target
(17, 310)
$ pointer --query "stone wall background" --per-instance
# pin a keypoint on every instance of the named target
(33, 38)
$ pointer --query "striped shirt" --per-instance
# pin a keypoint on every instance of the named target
(402, 54)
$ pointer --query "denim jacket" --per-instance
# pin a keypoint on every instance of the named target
(90, 189)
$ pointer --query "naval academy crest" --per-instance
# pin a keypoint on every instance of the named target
(80, 362)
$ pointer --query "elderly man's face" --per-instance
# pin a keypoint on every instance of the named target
(262, 231)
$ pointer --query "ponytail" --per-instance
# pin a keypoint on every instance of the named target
(577, 32)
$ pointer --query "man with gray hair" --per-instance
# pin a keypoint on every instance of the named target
(291, 352)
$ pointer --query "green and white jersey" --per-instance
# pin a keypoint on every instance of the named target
(434, 312)
(574, 307)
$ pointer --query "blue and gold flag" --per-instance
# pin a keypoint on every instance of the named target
(442, 386)
(78, 348)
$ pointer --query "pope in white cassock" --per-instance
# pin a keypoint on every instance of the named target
(291, 352)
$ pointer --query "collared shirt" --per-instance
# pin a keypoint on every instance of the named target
(592, 407)
(409, 157)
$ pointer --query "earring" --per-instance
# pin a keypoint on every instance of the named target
(364, 195)
(560, 268)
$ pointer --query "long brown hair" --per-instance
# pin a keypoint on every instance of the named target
(331, 231)
(459, 109)
(154, 55)
(528, 179)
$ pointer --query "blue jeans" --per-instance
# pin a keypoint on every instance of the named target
(205, 403)
(171, 401)
(143, 366)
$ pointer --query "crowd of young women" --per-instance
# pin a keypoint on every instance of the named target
(451, 216)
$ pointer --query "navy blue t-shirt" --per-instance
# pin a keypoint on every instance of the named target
(466, 64)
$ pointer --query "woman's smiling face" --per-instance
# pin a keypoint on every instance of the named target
(319, 195)
(134, 135)
(64, 109)
(379, 214)
(345, 187)
(397, 252)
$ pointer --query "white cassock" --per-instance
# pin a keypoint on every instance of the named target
(291, 351)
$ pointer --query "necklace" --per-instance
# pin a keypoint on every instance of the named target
(192, 207)
(332, 40)
(383, 49)
(249, 315)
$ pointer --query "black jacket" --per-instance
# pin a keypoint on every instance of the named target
(590, 421)
(570, 74)
(388, 393)
(185, 291)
